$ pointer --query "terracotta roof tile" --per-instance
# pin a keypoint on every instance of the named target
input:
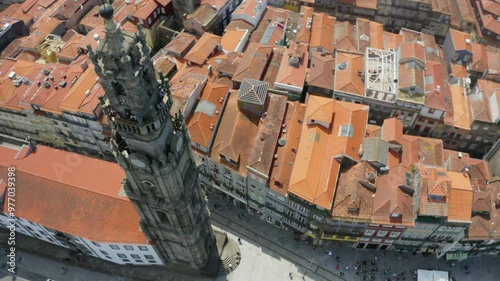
(69, 8)
(491, 6)
(70, 50)
(316, 168)
(203, 48)
(202, 124)
(82, 97)
(459, 40)
(460, 206)
(228, 63)
(10, 10)
(233, 40)
(181, 43)
(347, 79)
(482, 101)
(235, 135)
(274, 66)
(489, 22)
(305, 23)
(281, 172)
(254, 62)
(391, 40)
(391, 203)
(434, 98)
(434, 179)
(40, 33)
(146, 8)
(68, 186)
(485, 217)
(460, 117)
(479, 58)
(353, 198)
(464, 10)
(345, 36)
(204, 14)
(291, 73)
(369, 4)
(322, 32)
(239, 24)
(370, 34)
(321, 71)
(264, 145)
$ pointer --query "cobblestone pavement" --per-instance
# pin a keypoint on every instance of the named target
(322, 267)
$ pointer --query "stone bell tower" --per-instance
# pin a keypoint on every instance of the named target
(153, 149)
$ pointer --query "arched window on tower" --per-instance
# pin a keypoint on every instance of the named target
(162, 217)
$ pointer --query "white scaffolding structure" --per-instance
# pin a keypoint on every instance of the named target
(381, 74)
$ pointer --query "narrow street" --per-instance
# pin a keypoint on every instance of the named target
(318, 265)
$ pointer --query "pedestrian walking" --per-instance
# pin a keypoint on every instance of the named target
(341, 273)
(290, 274)
(337, 267)
(347, 268)
(239, 240)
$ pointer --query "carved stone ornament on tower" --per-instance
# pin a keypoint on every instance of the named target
(161, 176)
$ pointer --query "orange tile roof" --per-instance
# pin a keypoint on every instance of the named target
(392, 131)
(207, 43)
(27, 56)
(489, 21)
(459, 71)
(145, 9)
(348, 80)
(479, 58)
(29, 70)
(274, 66)
(239, 24)
(369, 4)
(373, 131)
(479, 170)
(232, 40)
(465, 10)
(83, 95)
(69, 8)
(57, 193)
(181, 43)
(236, 133)
(460, 112)
(491, 6)
(391, 40)
(441, 6)
(484, 227)
(204, 14)
(322, 32)
(493, 63)
(281, 171)
(202, 124)
(434, 98)
(480, 101)
(435, 181)
(40, 33)
(422, 150)
(303, 33)
(370, 34)
(293, 75)
(264, 145)
(10, 10)
(345, 36)
(412, 50)
(321, 71)
(352, 199)
(70, 50)
(460, 204)
(391, 204)
(254, 62)
(247, 8)
(459, 39)
(316, 168)
(92, 18)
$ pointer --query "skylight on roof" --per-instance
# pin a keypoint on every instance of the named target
(346, 131)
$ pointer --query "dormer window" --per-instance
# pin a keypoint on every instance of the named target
(436, 198)
(346, 131)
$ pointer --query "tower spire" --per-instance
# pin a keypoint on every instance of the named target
(153, 149)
